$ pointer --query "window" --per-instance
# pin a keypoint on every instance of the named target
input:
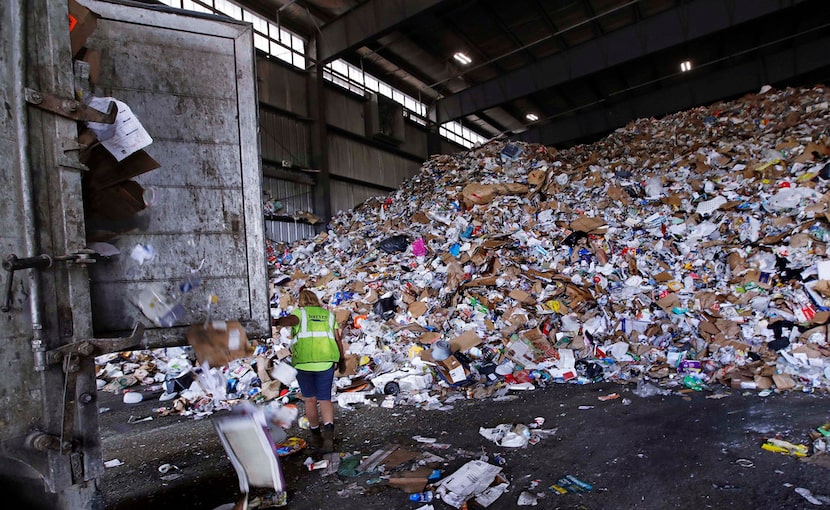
(268, 37)
(461, 135)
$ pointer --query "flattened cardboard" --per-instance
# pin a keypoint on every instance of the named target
(417, 309)
(411, 481)
(521, 296)
(663, 277)
(783, 381)
(589, 225)
(536, 177)
(465, 342)
(487, 281)
(762, 279)
(429, 337)
(420, 217)
(352, 362)
(669, 302)
(478, 194)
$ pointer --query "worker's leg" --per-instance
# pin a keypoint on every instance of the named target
(311, 411)
(308, 390)
(326, 411)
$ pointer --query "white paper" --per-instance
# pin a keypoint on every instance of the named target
(234, 340)
(566, 360)
(823, 270)
(490, 495)
(142, 253)
(125, 136)
(472, 478)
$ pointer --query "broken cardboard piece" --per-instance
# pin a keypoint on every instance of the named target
(465, 341)
(82, 23)
(217, 343)
(589, 225)
(105, 171)
(478, 194)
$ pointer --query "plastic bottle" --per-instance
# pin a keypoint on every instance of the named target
(421, 497)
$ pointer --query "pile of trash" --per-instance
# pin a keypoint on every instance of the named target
(684, 253)
(681, 253)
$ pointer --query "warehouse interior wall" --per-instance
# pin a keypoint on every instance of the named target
(360, 166)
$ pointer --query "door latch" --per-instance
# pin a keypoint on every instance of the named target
(70, 108)
(12, 263)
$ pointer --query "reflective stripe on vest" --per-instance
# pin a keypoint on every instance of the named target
(305, 333)
(315, 346)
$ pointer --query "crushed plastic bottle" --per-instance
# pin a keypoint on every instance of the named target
(422, 497)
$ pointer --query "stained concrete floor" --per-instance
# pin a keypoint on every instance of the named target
(679, 451)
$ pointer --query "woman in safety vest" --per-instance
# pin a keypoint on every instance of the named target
(317, 347)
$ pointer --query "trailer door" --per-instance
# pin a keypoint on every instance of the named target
(190, 81)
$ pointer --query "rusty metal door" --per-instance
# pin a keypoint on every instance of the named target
(190, 80)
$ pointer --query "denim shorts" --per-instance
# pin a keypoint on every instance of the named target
(316, 384)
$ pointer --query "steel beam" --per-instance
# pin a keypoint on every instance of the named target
(681, 24)
(367, 21)
(700, 90)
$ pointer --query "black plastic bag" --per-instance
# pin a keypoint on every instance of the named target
(385, 307)
(394, 244)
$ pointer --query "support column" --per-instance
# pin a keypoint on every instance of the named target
(319, 139)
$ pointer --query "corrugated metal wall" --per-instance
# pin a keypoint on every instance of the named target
(345, 111)
(284, 138)
(346, 195)
(295, 197)
(354, 160)
(282, 87)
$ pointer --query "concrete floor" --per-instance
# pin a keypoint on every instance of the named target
(677, 451)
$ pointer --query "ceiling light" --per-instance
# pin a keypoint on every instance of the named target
(462, 58)
(532, 117)
(685, 66)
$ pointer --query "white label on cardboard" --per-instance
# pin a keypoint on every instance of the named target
(234, 340)
(219, 325)
(457, 374)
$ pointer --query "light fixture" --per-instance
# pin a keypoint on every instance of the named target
(685, 66)
(532, 117)
(462, 58)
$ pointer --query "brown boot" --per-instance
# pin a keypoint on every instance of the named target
(327, 445)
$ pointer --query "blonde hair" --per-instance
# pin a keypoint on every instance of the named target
(308, 298)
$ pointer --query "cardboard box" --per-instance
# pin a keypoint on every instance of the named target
(219, 342)
(450, 369)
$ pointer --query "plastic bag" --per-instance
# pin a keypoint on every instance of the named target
(394, 244)
(385, 307)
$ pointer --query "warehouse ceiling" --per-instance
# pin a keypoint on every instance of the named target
(580, 68)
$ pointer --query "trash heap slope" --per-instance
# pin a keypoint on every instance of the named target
(689, 249)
